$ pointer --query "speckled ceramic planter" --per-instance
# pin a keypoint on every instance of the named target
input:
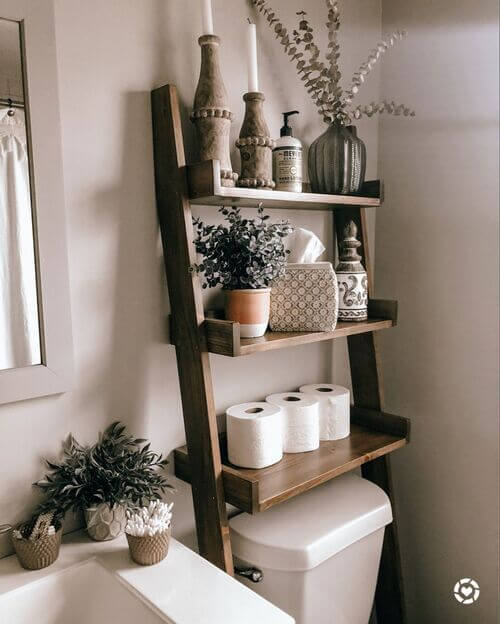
(105, 522)
(337, 161)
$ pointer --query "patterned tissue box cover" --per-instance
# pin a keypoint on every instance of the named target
(305, 298)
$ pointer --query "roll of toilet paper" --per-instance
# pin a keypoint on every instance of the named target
(254, 435)
(334, 409)
(300, 418)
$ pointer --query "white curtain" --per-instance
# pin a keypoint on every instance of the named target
(19, 326)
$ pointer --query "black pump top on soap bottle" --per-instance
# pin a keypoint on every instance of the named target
(286, 130)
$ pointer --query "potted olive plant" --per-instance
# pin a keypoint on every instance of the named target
(116, 473)
(244, 257)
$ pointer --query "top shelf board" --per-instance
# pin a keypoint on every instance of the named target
(205, 189)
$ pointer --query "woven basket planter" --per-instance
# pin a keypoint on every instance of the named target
(37, 554)
(149, 550)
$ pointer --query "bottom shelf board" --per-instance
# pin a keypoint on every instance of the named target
(257, 490)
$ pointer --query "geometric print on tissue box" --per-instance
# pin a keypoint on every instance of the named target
(305, 298)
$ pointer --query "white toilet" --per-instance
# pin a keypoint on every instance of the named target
(319, 552)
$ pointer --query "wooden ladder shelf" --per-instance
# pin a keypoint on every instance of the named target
(203, 461)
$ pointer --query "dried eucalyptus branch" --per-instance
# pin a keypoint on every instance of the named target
(382, 107)
(332, 56)
(315, 73)
(363, 71)
(302, 50)
(322, 80)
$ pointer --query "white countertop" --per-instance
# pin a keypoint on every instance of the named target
(184, 586)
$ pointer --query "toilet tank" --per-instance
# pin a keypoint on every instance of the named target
(319, 552)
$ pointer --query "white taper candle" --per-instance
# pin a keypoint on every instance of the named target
(207, 19)
(253, 80)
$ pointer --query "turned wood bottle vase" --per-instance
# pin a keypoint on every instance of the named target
(337, 161)
(255, 145)
(211, 115)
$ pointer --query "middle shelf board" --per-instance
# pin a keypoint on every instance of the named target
(373, 434)
(223, 337)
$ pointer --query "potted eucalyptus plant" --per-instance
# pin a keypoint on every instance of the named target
(117, 473)
(243, 256)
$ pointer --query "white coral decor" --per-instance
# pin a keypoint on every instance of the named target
(149, 521)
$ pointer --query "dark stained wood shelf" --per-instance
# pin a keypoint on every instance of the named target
(373, 434)
(223, 337)
(205, 189)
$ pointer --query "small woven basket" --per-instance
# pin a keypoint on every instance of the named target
(37, 554)
(149, 550)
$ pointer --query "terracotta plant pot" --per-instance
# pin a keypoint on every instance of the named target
(250, 308)
(105, 522)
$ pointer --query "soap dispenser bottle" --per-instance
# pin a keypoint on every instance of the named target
(287, 159)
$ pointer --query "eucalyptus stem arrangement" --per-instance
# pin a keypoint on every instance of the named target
(244, 257)
(322, 78)
(244, 254)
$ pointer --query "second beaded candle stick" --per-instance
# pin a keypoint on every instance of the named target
(255, 144)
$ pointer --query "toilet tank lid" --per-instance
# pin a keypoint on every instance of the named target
(304, 531)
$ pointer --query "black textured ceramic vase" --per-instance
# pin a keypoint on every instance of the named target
(337, 161)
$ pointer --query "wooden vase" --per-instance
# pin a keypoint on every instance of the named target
(255, 145)
(211, 115)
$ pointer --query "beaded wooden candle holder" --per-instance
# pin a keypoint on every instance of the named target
(211, 115)
(255, 145)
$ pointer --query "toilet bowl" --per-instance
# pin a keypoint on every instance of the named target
(319, 552)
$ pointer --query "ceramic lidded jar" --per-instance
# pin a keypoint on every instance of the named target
(337, 161)
(352, 278)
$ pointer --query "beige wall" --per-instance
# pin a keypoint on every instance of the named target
(437, 253)
(111, 54)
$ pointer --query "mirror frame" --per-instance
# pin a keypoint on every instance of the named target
(54, 375)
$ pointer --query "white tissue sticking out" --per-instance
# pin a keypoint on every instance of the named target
(304, 246)
(149, 521)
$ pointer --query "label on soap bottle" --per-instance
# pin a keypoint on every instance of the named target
(288, 169)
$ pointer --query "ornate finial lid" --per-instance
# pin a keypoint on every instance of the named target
(349, 257)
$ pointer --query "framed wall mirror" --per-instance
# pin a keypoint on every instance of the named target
(35, 321)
